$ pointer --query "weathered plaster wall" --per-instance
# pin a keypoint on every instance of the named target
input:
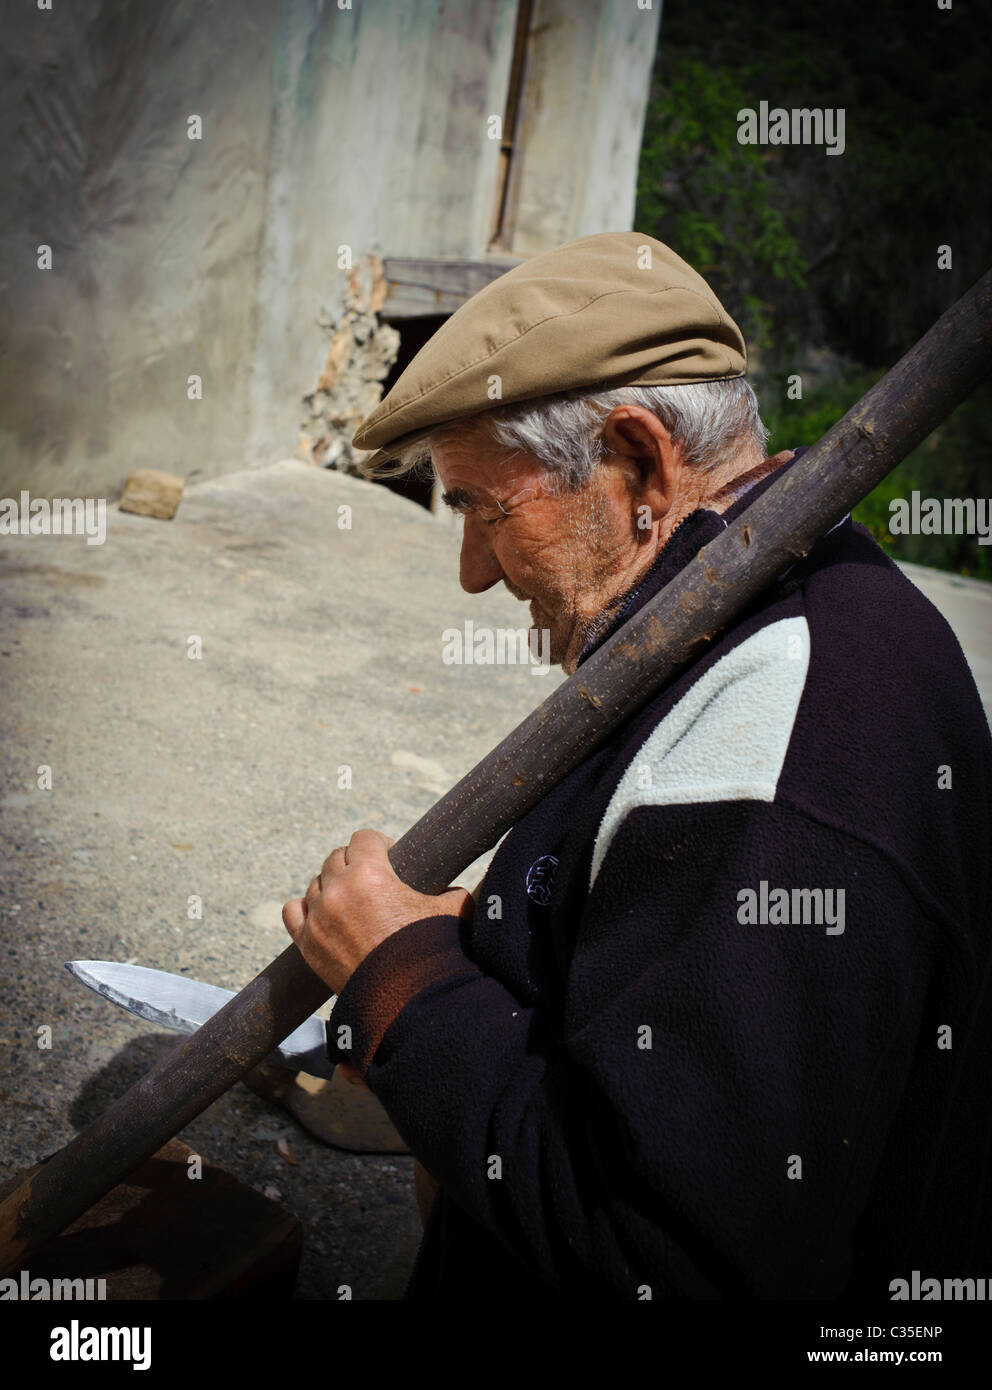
(380, 128)
(154, 237)
(362, 127)
(581, 117)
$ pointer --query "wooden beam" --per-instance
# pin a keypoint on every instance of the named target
(415, 288)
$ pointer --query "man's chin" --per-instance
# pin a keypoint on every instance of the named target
(552, 640)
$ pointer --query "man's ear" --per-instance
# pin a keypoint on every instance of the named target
(642, 446)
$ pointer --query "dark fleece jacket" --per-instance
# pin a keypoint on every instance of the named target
(652, 1062)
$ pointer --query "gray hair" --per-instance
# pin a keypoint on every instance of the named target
(711, 421)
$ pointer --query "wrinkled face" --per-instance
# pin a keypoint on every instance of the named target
(570, 556)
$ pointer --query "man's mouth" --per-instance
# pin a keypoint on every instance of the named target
(536, 610)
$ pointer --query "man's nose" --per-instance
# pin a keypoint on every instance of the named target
(480, 568)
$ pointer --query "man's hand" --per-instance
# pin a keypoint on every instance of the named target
(354, 903)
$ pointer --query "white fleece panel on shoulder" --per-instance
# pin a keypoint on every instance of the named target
(727, 737)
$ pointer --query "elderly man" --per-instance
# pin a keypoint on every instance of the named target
(719, 1023)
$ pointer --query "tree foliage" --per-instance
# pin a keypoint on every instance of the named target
(830, 263)
(715, 198)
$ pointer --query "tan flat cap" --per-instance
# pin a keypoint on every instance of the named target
(617, 309)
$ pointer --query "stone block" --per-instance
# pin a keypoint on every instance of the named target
(150, 493)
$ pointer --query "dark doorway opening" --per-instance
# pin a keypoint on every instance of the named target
(414, 333)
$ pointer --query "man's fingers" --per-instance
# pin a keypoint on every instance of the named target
(363, 844)
(354, 903)
(368, 844)
(294, 914)
(334, 863)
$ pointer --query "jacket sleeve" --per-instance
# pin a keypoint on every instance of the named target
(706, 1114)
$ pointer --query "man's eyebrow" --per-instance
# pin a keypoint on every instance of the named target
(459, 499)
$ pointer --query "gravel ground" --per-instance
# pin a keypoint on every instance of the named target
(219, 777)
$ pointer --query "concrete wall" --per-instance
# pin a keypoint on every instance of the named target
(380, 140)
(581, 116)
(155, 238)
(323, 127)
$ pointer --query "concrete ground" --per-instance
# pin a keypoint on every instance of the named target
(220, 777)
